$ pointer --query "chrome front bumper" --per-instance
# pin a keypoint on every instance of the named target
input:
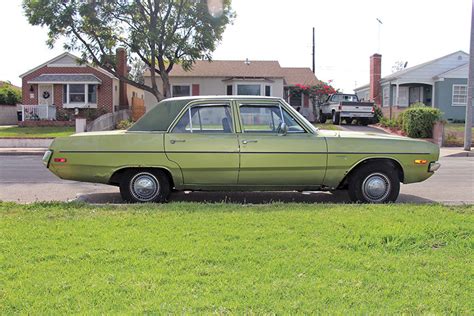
(434, 166)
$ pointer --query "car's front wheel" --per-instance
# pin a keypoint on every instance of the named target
(374, 183)
(142, 186)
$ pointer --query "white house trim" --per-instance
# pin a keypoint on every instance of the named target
(452, 95)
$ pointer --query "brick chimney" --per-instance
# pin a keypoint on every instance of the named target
(122, 69)
(375, 76)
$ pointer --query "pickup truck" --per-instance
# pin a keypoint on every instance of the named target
(339, 107)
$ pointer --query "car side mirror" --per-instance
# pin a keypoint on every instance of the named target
(282, 129)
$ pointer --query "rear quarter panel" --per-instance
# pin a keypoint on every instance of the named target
(94, 157)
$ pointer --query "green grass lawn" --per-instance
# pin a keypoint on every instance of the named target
(191, 258)
(458, 127)
(35, 132)
(454, 134)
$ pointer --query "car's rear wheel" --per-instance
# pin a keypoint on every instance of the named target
(142, 186)
(336, 118)
(375, 182)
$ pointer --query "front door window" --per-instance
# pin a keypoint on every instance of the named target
(267, 119)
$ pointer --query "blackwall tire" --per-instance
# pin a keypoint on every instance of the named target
(375, 182)
(144, 186)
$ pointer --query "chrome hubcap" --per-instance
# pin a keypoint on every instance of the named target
(144, 186)
(376, 187)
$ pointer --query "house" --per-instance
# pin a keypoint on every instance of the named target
(440, 83)
(239, 77)
(65, 83)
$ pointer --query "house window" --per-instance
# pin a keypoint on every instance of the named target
(459, 95)
(296, 99)
(268, 91)
(77, 93)
(80, 94)
(248, 89)
(181, 91)
(386, 96)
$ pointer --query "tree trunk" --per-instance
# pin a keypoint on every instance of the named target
(166, 85)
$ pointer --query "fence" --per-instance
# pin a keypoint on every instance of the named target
(38, 112)
(108, 121)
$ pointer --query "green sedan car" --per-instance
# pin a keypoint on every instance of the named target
(235, 143)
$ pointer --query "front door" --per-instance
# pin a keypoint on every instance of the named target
(205, 146)
(45, 94)
(415, 95)
(269, 159)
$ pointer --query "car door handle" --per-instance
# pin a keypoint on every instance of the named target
(173, 141)
(246, 141)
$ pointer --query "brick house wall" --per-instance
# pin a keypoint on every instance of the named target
(105, 90)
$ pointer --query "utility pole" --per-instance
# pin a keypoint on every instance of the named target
(470, 87)
(314, 57)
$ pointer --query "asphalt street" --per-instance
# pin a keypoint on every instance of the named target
(24, 179)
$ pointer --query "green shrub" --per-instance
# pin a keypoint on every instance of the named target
(9, 94)
(385, 122)
(125, 124)
(378, 114)
(418, 121)
(63, 114)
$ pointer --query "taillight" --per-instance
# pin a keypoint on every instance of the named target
(373, 109)
(340, 107)
(60, 160)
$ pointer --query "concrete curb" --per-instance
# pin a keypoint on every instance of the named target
(25, 143)
(22, 151)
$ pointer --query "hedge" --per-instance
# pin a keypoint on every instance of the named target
(418, 121)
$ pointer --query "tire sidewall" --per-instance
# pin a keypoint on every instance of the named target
(162, 180)
(359, 176)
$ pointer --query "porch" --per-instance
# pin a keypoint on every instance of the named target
(38, 112)
(397, 97)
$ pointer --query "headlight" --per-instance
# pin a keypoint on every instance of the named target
(46, 157)
(434, 166)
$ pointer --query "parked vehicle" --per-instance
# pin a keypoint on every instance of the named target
(340, 106)
(239, 143)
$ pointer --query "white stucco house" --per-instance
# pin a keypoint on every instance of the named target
(239, 77)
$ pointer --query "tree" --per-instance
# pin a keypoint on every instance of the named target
(159, 33)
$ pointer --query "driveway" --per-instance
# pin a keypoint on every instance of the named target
(24, 179)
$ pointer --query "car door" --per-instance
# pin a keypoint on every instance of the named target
(204, 144)
(271, 159)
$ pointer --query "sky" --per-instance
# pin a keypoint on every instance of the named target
(347, 34)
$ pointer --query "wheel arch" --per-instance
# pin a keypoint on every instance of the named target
(117, 175)
(395, 163)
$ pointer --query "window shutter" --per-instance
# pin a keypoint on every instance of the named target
(195, 89)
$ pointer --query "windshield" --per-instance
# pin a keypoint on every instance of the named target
(344, 97)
